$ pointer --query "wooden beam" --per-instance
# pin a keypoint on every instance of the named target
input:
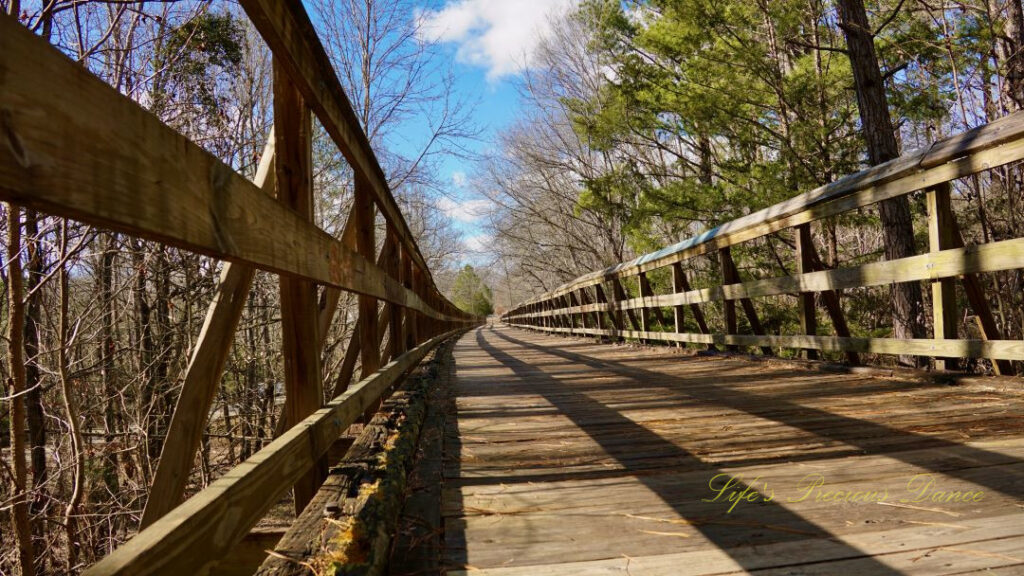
(747, 305)
(728, 306)
(619, 295)
(581, 298)
(830, 299)
(332, 295)
(411, 318)
(300, 349)
(571, 301)
(246, 556)
(978, 300)
(941, 228)
(645, 287)
(396, 328)
(364, 213)
(352, 352)
(986, 147)
(595, 317)
(205, 527)
(679, 277)
(602, 302)
(678, 312)
(804, 264)
(204, 371)
(102, 159)
(291, 36)
(993, 349)
(991, 257)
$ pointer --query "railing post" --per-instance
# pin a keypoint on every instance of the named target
(419, 326)
(409, 332)
(729, 276)
(619, 295)
(599, 314)
(616, 319)
(581, 298)
(366, 246)
(645, 315)
(394, 269)
(679, 310)
(681, 284)
(571, 301)
(563, 304)
(940, 237)
(732, 274)
(293, 162)
(805, 264)
(595, 317)
(830, 298)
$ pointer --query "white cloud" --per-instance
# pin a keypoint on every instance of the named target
(459, 178)
(477, 243)
(499, 35)
(465, 210)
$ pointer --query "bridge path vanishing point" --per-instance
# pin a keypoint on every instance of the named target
(565, 456)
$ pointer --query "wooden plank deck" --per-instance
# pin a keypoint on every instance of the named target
(568, 457)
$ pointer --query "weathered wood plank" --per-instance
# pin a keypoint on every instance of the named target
(191, 537)
(992, 349)
(941, 228)
(248, 554)
(987, 147)
(204, 372)
(991, 257)
(114, 165)
(363, 211)
(619, 444)
(383, 452)
(288, 31)
(300, 343)
(805, 264)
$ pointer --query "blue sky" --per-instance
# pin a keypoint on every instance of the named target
(488, 43)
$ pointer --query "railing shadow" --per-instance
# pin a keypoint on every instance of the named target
(825, 424)
(724, 537)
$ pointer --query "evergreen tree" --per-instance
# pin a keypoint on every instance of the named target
(471, 294)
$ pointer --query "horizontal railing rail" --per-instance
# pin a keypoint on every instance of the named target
(117, 166)
(593, 304)
(210, 523)
(102, 159)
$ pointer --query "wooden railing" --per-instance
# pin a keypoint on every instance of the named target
(594, 304)
(72, 146)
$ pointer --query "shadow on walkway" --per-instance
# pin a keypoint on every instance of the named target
(835, 427)
(786, 525)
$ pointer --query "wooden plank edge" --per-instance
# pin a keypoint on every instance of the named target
(205, 527)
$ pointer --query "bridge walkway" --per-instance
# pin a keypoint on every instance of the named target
(565, 456)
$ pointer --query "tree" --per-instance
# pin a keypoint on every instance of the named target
(471, 294)
(880, 135)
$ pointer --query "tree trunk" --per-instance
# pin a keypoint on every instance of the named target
(877, 127)
(147, 358)
(163, 399)
(110, 386)
(16, 359)
(1009, 48)
(78, 477)
(33, 321)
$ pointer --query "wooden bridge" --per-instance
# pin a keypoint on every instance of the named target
(567, 456)
(567, 439)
